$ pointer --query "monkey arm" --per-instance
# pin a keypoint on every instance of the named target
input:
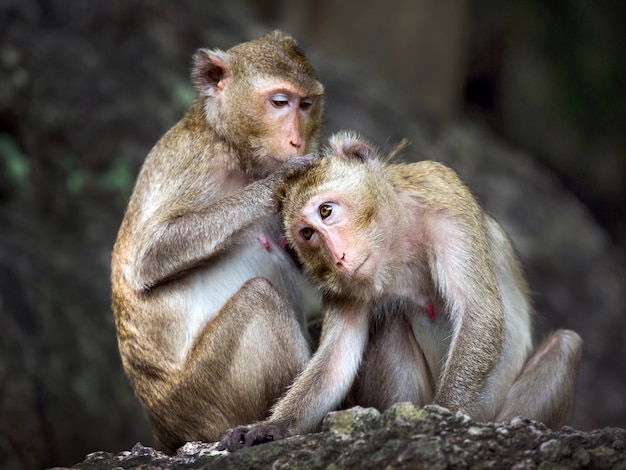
(466, 281)
(327, 378)
(322, 385)
(181, 240)
(474, 352)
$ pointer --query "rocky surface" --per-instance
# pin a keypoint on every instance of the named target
(402, 437)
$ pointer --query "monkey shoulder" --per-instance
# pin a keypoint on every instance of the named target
(425, 173)
(194, 120)
(435, 188)
(187, 141)
(427, 177)
(183, 170)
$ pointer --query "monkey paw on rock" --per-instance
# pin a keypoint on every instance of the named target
(248, 436)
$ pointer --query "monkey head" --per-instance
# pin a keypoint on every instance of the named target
(339, 216)
(263, 99)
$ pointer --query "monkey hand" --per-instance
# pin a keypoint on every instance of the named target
(297, 164)
(291, 167)
(248, 436)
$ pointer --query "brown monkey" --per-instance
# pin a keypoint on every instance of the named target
(424, 299)
(207, 301)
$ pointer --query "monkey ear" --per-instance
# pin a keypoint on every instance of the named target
(210, 70)
(351, 146)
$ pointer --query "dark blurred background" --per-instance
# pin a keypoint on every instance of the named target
(525, 99)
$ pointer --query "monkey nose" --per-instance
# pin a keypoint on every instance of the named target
(339, 261)
(296, 143)
(295, 138)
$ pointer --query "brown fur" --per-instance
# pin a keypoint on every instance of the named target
(392, 240)
(207, 316)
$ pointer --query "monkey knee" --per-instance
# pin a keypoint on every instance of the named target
(259, 285)
(563, 347)
(259, 295)
(546, 388)
(569, 341)
(266, 313)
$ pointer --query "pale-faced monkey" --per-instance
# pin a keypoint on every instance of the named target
(207, 301)
(424, 299)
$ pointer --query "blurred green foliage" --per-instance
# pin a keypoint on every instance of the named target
(120, 176)
(183, 93)
(74, 174)
(15, 162)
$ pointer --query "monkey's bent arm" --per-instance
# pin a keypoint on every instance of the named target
(465, 278)
(330, 373)
(182, 241)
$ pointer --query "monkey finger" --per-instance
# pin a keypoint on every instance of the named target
(234, 439)
(263, 433)
(299, 163)
(289, 168)
(311, 156)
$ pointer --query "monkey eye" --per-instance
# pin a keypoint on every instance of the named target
(307, 233)
(306, 104)
(279, 100)
(325, 210)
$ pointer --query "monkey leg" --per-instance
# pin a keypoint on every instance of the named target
(242, 361)
(546, 387)
(394, 368)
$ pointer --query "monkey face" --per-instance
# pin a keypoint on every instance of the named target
(291, 119)
(263, 99)
(332, 236)
(336, 217)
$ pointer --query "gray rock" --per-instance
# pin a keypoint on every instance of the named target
(402, 437)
